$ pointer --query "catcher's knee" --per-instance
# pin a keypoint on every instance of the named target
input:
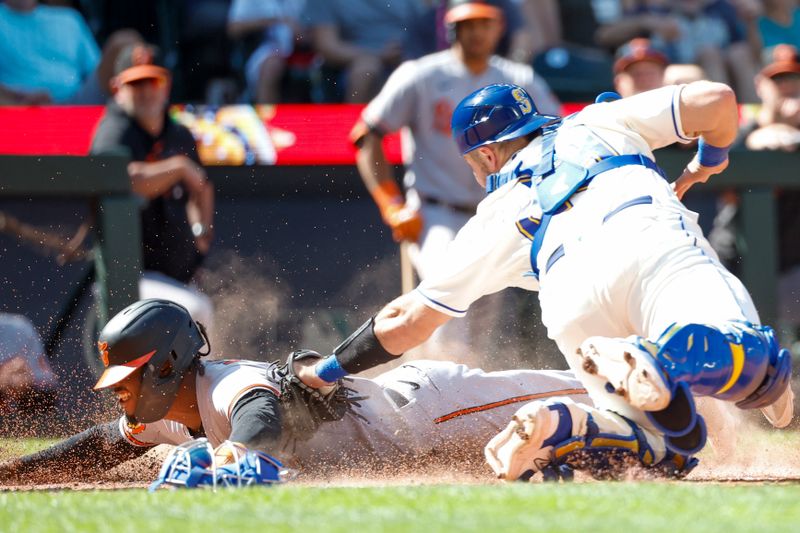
(742, 363)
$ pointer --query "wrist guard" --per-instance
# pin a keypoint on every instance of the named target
(362, 350)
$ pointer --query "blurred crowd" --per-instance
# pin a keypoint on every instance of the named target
(265, 51)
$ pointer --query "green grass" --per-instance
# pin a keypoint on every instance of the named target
(593, 507)
(645, 507)
(15, 447)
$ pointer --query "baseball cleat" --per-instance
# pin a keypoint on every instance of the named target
(630, 370)
(519, 448)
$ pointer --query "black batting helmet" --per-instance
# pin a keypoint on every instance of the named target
(159, 336)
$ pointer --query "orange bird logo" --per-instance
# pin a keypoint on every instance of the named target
(103, 347)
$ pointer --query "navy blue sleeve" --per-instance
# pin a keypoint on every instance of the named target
(256, 420)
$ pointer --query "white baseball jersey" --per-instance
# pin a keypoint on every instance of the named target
(421, 95)
(417, 408)
(626, 259)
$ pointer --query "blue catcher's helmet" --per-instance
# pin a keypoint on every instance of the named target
(495, 113)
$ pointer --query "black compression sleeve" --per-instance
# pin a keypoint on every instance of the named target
(95, 450)
(256, 420)
(362, 350)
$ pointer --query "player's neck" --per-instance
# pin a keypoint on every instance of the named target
(184, 409)
(475, 64)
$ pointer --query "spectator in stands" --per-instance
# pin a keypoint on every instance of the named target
(177, 218)
(777, 127)
(27, 383)
(780, 23)
(639, 67)
(542, 29)
(710, 33)
(561, 45)
(48, 55)
(778, 84)
(362, 37)
(276, 25)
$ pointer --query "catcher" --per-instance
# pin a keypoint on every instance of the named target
(152, 353)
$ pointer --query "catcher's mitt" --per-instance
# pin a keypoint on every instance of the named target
(305, 408)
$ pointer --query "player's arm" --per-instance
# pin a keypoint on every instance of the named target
(9, 96)
(402, 324)
(332, 47)
(256, 420)
(88, 453)
(708, 110)
(405, 323)
(376, 173)
(200, 208)
(152, 179)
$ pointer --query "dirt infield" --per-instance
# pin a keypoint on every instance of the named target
(759, 457)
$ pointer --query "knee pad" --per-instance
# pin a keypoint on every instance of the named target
(729, 365)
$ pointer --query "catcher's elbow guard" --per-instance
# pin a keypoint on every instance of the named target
(362, 350)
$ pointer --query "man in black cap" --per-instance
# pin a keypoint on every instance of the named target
(177, 219)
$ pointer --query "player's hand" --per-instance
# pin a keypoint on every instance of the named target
(406, 223)
(305, 370)
(695, 173)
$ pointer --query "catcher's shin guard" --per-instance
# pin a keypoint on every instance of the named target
(743, 364)
(558, 435)
(632, 370)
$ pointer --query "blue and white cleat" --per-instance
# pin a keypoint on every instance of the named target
(630, 370)
(522, 448)
(558, 436)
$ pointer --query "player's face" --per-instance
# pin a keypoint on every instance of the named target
(127, 392)
(640, 77)
(143, 99)
(781, 93)
(481, 161)
(479, 37)
(789, 91)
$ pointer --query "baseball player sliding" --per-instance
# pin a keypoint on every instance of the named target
(630, 290)
(169, 395)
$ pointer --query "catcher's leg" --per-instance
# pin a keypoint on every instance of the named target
(555, 435)
(742, 363)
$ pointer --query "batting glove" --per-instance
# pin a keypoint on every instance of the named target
(406, 223)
